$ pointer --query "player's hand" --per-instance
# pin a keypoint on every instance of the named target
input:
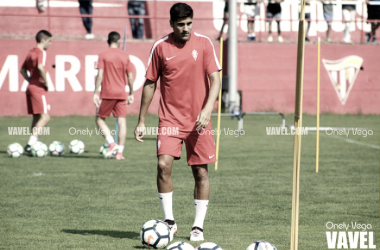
(140, 131)
(96, 100)
(130, 99)
(203, 119)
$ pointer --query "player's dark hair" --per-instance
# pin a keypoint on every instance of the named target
(180, 10)
(43, 34)
(113, 37)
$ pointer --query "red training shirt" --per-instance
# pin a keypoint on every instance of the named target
(115, 64)
(184, 85)
(34, 57)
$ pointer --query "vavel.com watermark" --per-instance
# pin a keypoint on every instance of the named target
(351, 235)
(287, 131)
(147, 131)
(28, 131)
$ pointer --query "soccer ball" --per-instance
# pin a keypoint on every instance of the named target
(39, 149)
(76, 147)
(56, 148)
(155, 233)
(261, 245)
(208, 246)
(15, 150)
(180, 245)
(103, 148)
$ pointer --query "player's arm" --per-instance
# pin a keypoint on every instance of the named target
(98, 82)
(204, 116)
(146, 99)
(42, 71)
(24, 73)
(130, 98)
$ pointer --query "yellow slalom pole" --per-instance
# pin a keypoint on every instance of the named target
(298, 129)
(219, 105)
(318, 80)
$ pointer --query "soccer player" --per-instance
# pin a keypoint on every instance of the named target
(188, 70)
(113, 68)
(36, 93)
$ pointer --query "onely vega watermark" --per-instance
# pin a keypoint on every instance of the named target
(349, 236)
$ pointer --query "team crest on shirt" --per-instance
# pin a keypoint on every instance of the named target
(194, 54)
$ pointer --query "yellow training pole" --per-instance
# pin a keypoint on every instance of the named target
(219, 105)
(318, 80)
(298, 129)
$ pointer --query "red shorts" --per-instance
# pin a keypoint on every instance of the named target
(117, 107)
(200, 147)
(37, 102)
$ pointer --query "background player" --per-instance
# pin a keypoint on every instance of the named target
(184, 61)
(36, 93)
(113, 65)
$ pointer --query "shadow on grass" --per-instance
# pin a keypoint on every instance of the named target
(110, 233)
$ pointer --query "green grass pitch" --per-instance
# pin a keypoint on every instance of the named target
(86, 202)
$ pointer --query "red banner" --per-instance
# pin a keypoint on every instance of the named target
(267, 74)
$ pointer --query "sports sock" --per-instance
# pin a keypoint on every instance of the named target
(109, 140)
(166, 200)
(200, 212)
(33, 139)
(120, 149)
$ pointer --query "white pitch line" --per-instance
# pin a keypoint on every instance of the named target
(357, 142)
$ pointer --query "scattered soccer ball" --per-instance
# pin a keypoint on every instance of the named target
(180, 245)
(76, 147)
(261, 245)
(56, 148)
(155, 233)
(208, 246)
(15, 150)
(39, 149)
(103, 148)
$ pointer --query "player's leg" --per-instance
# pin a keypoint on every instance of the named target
(103, 112)
(169, 147)
(38, 106)
(165, 189)
(200, 152)
(122, 121)
(120, 111)
(38, 123)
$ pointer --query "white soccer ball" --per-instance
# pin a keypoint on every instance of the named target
(155, 233)
(76, 147)
(15, 150)
(261, 245)
(39, 149)
(105, 147)
(56, 148)
(180, 245)
(208, 246)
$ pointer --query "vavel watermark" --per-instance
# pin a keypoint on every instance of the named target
(286, 131)
(147, 131)
(352, 235)
(28, 131)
